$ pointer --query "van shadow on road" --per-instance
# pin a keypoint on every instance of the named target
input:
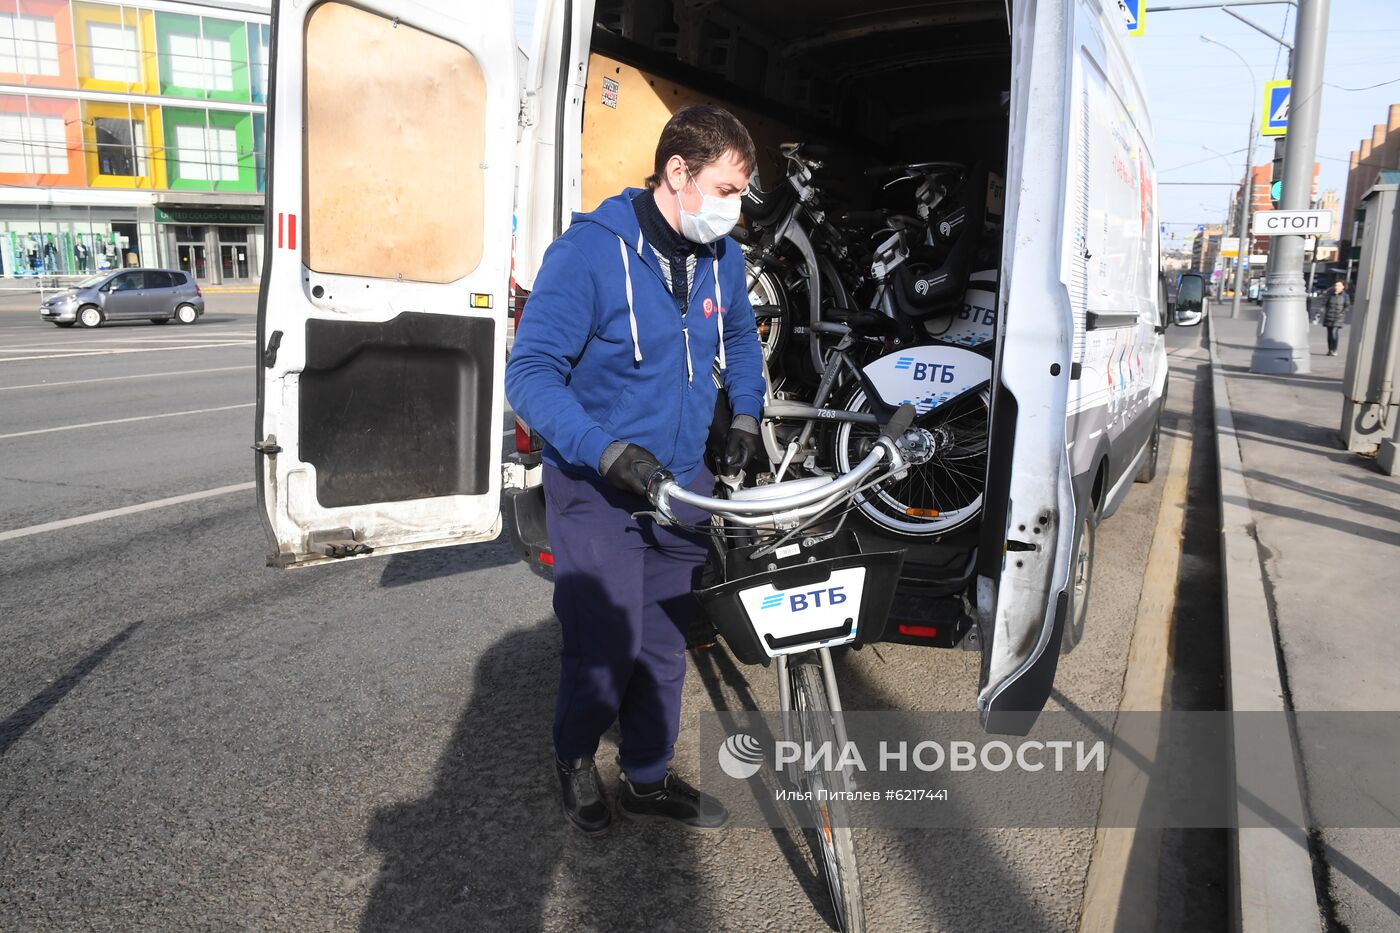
(488, 847)
(434, 563)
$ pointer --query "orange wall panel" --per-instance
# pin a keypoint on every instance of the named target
(59, 11)
(76, 176)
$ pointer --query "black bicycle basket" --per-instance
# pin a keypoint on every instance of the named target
(765, 602)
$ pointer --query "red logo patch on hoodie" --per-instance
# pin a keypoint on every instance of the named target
(709, 307)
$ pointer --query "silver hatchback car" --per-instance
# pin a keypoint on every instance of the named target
(156, 295)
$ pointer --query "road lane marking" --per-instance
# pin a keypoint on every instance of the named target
(125, 510)
(78, 382)
(129, 510)
(88, 353)
(98, 424)
(84, 339)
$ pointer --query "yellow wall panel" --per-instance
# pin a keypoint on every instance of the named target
(151, 160)
(140, 22)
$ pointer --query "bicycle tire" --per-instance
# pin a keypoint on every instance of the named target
(951, 484)
(768, 290)
(834, 846)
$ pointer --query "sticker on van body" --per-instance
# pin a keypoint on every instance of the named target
(610, 93)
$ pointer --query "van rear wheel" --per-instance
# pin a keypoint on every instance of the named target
(1081, 581)
(1148, 471)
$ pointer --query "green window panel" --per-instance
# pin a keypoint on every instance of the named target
(217, 155)
(202, 58)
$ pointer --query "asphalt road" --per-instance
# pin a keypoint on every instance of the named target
(189, 740)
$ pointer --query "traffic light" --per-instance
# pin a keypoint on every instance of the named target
(1276, 184)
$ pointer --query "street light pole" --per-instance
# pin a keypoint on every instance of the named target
(1246, 201)
(1282, 346)
(1247, 195)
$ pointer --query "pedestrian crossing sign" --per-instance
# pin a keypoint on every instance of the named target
(1133, 15)
(1276, 97)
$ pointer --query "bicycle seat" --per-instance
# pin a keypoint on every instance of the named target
(766, 207)
(933, 279)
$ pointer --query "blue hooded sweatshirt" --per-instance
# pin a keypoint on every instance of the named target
(602, 354)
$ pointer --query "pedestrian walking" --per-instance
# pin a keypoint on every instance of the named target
(632, 308)
(1334, 314)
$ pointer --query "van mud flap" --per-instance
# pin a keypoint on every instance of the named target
(522, 513)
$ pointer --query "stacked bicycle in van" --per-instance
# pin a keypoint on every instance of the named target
(862, 309)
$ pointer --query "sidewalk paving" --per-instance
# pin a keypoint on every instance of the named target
(1328, 526)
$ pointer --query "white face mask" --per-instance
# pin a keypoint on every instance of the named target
(715, 218)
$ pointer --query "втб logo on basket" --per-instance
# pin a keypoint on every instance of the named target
(741, 756)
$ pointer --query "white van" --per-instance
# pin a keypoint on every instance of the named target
(403, 142)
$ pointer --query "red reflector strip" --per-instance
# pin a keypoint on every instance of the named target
(547, 558)
(918, 631)
(279, 230)
(291, 231)
(522, 437)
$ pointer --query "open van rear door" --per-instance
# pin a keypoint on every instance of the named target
(1029, 520)
(381, 320)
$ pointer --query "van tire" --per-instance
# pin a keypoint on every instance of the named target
(1081, 584)
(91, 316)
(1148, 471)
(186, 314)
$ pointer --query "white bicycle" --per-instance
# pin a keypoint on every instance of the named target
(794, 585)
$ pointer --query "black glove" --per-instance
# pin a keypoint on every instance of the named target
(740, 448)
(635, 470)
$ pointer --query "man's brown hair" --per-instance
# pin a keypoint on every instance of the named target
(701, 135)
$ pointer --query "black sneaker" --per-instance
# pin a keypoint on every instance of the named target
(675, 800)
(584, 803)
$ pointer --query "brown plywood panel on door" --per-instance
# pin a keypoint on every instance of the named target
(395, 120)
(619, 143)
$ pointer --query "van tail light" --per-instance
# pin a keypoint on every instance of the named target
(522, 437)
(918, 631)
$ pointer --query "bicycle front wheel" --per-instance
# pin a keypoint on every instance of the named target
(834, 846)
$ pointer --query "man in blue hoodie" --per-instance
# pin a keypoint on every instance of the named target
(632, 309)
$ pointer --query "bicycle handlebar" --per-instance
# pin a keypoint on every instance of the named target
(812, 499)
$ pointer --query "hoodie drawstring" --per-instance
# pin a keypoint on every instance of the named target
(631, 314)
(685, 330)
(719, 313)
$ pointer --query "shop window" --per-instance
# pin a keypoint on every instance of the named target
(113, 50)
(233, 234)
(33, 144)
(206, 153)
(121, 147)
(28, 45)
(258, 40)
(204, 63)
(378, 121)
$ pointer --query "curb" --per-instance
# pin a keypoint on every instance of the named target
(1271, 866)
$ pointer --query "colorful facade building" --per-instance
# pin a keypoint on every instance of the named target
(132, 134)
(1375, 155)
